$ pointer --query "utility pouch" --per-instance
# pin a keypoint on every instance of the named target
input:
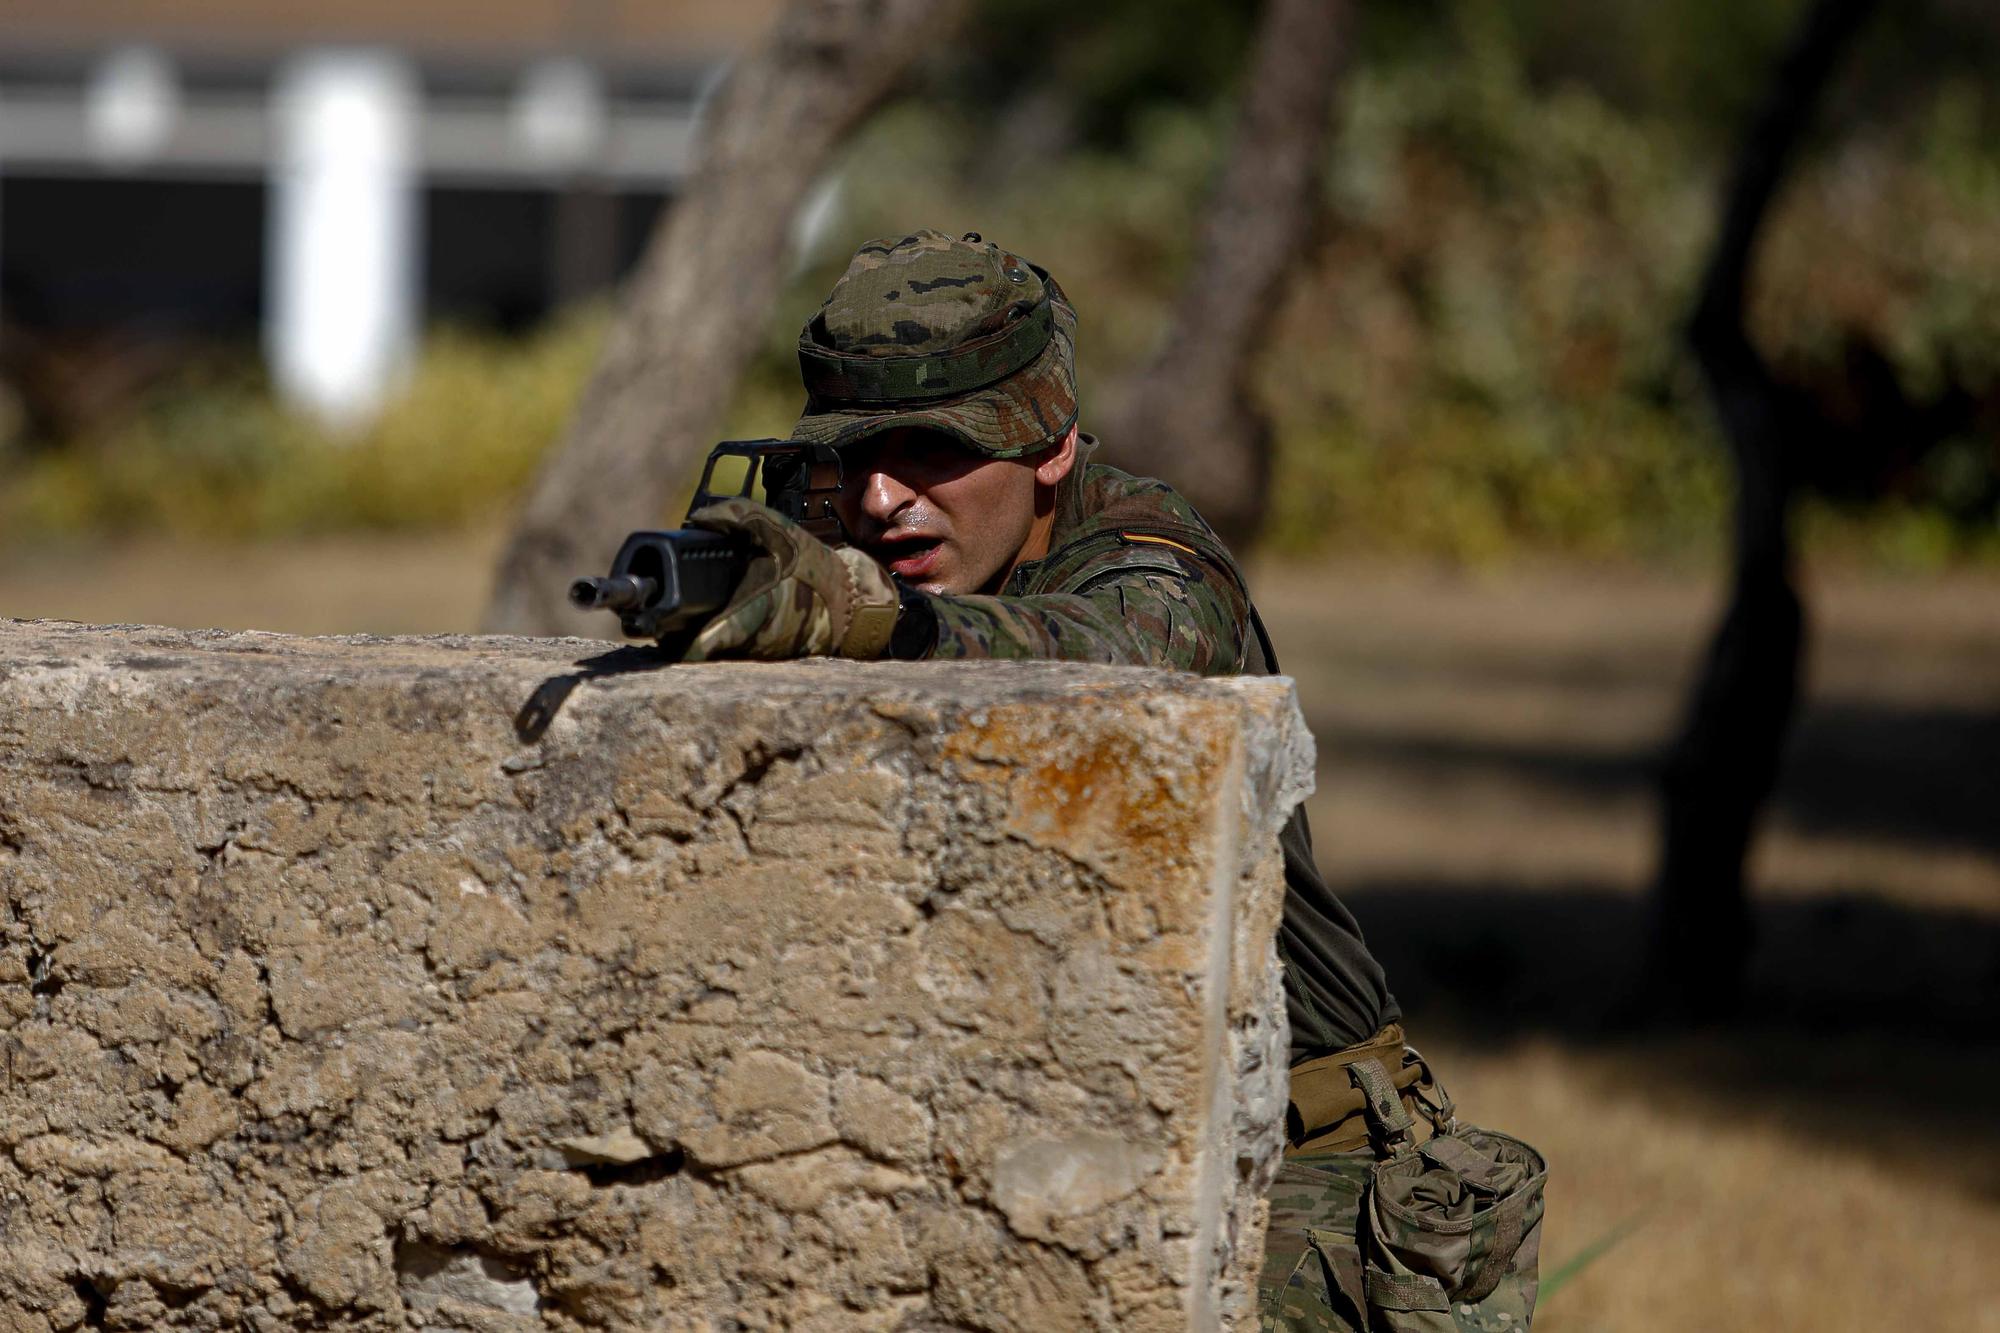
(1450, 1229)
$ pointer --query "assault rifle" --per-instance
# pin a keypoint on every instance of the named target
(667, 585)
(664, 585)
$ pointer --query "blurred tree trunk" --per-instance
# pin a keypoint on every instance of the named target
(697, 305)
(1722, 769)
(1188, 417)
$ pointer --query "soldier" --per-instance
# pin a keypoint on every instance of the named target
(942, 372)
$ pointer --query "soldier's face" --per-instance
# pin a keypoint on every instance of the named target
(942, 518)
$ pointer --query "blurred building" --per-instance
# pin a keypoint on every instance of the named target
(334, 175)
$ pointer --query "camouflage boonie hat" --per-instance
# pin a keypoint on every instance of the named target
(958, 336)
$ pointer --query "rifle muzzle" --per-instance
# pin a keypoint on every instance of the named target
(620, 592)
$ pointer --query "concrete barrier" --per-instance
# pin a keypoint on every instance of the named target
(812, 995)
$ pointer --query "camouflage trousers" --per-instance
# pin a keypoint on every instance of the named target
(1438, 1236)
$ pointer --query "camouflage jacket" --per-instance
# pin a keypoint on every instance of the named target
(1134, 576)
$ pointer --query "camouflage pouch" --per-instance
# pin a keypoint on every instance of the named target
(1442, 1236)
(1451, 1228)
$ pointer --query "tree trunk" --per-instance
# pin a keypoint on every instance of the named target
(1721, 771)
(697, 305)
(1188, 417)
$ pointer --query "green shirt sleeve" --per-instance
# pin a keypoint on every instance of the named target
(1136, 612)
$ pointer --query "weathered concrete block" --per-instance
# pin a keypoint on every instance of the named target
(808, 996)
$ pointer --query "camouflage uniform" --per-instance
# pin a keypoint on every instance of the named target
(1133, 576)
(1370, 1228)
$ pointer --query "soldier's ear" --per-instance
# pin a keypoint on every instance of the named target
(1055, 464)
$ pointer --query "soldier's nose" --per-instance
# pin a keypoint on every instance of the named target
(882, 496)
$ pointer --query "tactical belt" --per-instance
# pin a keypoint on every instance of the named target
(1328, 1109)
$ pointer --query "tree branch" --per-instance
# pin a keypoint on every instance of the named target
(1188, 416)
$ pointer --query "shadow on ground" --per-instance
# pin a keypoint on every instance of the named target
(1923, 775)
(1872, 1024)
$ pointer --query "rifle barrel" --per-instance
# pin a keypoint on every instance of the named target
(621, 592)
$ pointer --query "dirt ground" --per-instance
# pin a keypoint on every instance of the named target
(1486, 745)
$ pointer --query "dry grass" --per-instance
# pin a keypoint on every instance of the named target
(1833, 1163)
(1744, 1222)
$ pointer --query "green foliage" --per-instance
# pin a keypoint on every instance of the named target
(1482, 357)
(1476, 489)
(1485, 354)
(214, 456)
(1104, 65)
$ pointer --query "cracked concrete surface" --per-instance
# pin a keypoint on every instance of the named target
(811, 996)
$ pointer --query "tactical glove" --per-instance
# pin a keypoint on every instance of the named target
(799, 597)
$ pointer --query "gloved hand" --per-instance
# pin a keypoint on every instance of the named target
(800, 597)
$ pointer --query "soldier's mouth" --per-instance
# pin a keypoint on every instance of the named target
(911, 558)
